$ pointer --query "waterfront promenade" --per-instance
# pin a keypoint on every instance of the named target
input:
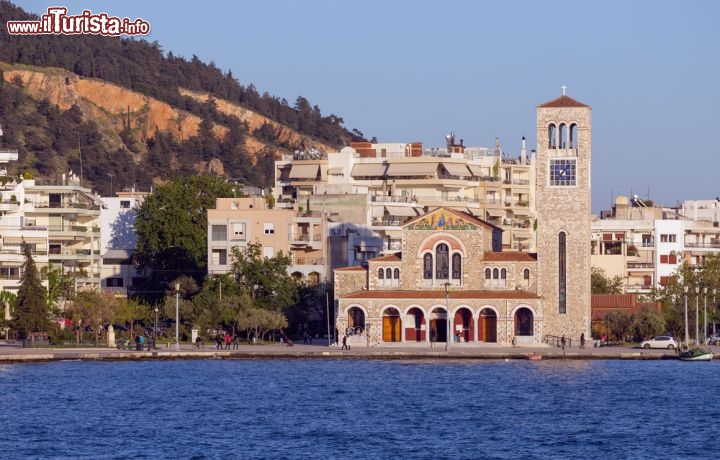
(15, 353)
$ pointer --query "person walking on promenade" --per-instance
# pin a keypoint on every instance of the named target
(582, 340)
(433, 338)
(227, 341)
(218, 341)
(345, 345)
(236, 342)
(562, 342)
(305, 337)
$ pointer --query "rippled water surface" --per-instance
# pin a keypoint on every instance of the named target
(359, 409)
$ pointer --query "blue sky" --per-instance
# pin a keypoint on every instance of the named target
(407, 71)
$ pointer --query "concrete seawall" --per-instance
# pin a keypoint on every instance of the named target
(11, 353)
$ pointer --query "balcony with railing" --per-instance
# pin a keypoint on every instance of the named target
(711, 244)
(640, 265)
(308, 260)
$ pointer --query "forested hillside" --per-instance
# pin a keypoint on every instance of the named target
(116, 143)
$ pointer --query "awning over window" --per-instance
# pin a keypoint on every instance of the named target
(495, 212)
(456, 169)
(304, 171)
(378, 211)
(412, 169)
(403, 211)
(368, 169)
(521, 211)
(27, 239)
(337, 171)
(475, 170)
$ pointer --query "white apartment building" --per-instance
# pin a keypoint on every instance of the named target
(118, 241)
(645, 245)
(400, 181)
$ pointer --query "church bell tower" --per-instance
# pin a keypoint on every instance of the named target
(563, 216)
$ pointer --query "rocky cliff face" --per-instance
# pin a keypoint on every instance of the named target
(111, 106)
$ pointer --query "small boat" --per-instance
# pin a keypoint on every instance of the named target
(695, 354)
(535, 357)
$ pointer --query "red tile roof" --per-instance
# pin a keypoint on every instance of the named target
(440, 294)
(562, 101)
(602, 304)
(510, 256)
(397, 257)
(353, 268)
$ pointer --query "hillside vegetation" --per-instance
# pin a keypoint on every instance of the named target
(139, 117)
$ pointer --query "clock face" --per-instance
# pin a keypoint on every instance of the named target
(563, 172)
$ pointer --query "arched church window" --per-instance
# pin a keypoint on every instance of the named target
(397, 274)
(552, 133)
(381, 273)
(442, 262)
(456, 266)
(388, 273)
(427, 266)
(573, 136)
(562, 273)
(562, 134)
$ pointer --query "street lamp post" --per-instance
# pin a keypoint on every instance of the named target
(447, 306)
(686, 288)
(155, 335)
(177, 316)
(697, 315)
(714, 308)
(705, 289)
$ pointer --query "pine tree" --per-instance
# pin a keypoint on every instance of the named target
(31, 311)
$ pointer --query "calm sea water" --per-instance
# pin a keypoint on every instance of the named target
(359, 409)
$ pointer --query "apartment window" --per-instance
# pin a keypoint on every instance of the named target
(668, 238)
(663, 258)
(219, 233)
(125, 204)
(219, 257)
(114, 282)
(646, 240)
(269, 228)
(238, 231)
(664, 280)
(268, 251)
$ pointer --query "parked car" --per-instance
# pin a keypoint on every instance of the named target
(714, 340)
(661, 341)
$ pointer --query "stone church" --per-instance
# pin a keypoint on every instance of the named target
(453, 285)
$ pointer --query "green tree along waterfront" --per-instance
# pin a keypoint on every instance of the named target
(31, 313)
(672, 295)
(171, 227)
